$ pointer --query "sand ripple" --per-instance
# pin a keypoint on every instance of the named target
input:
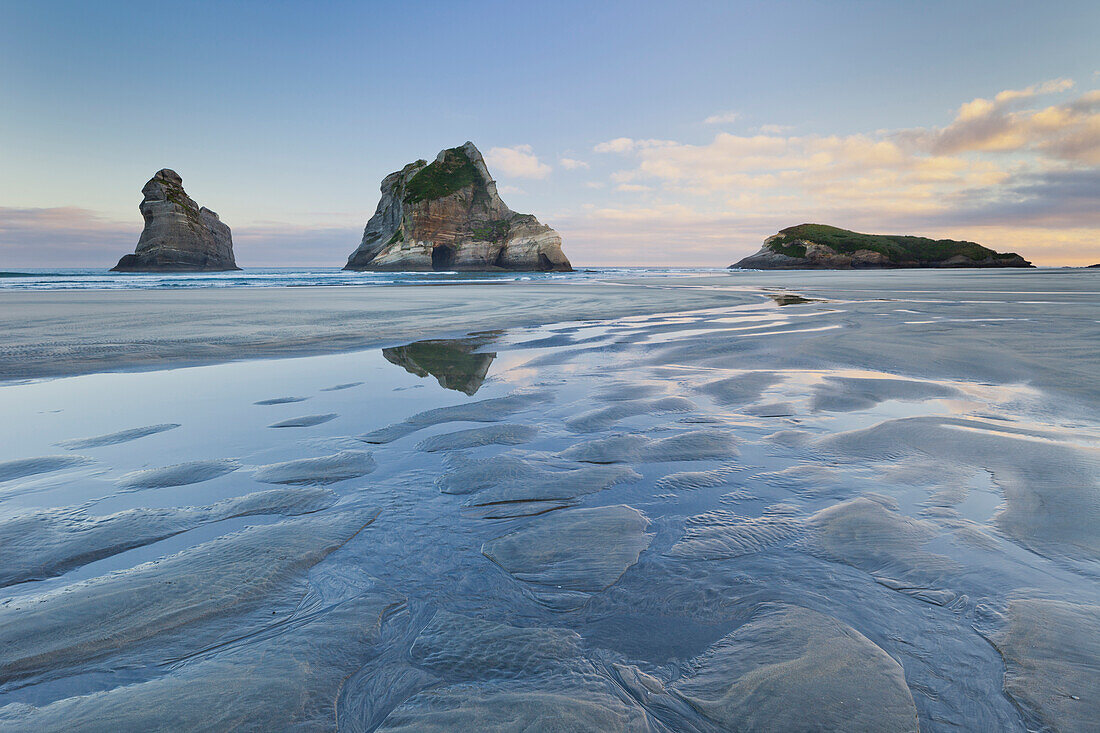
(476, 437)
(694, 445)
(306, 421)
(583, 550)
(10, 470)
(471, 647)
(83, 621)
(791, 668)
(122, 436)
(180, 474)
(490, 410)
(46, 543)
(318, 471)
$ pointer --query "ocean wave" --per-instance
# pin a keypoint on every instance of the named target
(97, 279)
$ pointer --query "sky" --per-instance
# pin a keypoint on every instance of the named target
(646, 133)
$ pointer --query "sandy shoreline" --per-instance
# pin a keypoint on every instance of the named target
(898, 471)
(64, 333)
(71, 332)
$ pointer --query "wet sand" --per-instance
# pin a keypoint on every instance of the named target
(62, 333)
(814, 501)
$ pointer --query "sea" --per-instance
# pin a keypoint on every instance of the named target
(298, 277)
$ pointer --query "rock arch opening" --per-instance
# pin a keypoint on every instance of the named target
(443, 257)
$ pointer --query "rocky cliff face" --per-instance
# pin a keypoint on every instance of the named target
(820, 247)
(179, 235)
(446, 215)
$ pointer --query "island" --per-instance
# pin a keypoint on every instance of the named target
(446, 215)
(821, 247)
(179, 235)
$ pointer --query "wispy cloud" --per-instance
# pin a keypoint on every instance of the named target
(571, 163)
(661, 234)
(518, 161)
(722, 118)
(618, 145)
(75, 237)
(62, 237)
(628, 145)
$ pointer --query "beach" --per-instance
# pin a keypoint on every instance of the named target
(60, 333)
(67, 332)
(679, 501)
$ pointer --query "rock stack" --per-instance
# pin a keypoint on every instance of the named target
(447, 215)
(179, 235)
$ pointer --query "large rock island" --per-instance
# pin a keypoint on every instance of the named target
(820, 247)
(179, 235)
(446, 215)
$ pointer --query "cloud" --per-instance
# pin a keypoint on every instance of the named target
(722, 118)
(1012, 171)
(733, 163)
(63, 237)
(662, 234)
(627, 145)
(75, 237)
(1060, 198)
(886, 180)
(510, 189)
(571, 163)
(774, 129)
(618, 145)
(518, 161)
(1068, 132)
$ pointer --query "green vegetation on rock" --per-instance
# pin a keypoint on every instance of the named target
(174, 194)
(441, 178)
(791, 241)
(492, 231)
(791, 250)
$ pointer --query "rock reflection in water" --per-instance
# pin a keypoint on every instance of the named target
(792, 299)
(456, 364)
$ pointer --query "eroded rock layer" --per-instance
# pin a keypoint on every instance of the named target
(447, 215)
(179, 235)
